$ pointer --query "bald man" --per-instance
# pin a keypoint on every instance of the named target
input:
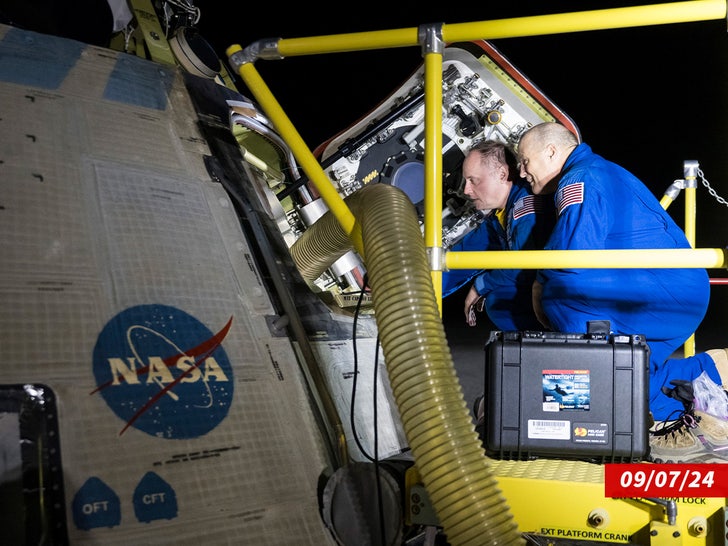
(600, 205)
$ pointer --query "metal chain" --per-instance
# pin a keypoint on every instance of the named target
(711, 191)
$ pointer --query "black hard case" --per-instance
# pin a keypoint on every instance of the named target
(572, 396)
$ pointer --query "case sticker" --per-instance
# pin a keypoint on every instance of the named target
(566, 390)
(550, 429)
(591, 433)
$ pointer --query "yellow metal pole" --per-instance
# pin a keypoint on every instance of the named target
(341, 43)
(666, 201)
(300, 150)
(690, 212)
(588, 259)
(433, 156)
(658, 14)
(690, 230)
(579, 21)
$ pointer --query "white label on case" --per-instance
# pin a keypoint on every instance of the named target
(549, 430)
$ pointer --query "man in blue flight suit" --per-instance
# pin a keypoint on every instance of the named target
(600, 205)
(516, 219)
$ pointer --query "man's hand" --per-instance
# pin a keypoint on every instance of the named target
(537, 307)
(473, 302)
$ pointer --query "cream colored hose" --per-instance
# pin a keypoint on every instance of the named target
(437, 423)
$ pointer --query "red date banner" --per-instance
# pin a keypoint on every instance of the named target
(665, 480)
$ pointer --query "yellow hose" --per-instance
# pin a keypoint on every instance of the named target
(428, 394)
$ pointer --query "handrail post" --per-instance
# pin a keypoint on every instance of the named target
(690, 169)
(430, 37)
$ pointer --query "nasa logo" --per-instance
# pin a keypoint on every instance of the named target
(163, 372)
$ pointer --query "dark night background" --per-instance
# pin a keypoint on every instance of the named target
(648, 98)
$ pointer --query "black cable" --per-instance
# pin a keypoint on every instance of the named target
(356, 373)
(375, 458)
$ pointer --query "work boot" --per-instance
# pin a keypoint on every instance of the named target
(720, 357)
(694, 436)
(675, 442)
(713, 429)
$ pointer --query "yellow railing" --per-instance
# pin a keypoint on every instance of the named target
(690, 185)
(432, 39)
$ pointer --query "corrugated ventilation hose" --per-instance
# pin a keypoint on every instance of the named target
(437, 423)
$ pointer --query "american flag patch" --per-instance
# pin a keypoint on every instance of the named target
(526, 205)
(573, 194)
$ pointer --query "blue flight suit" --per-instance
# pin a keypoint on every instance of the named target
(525, 223)
(600, 205)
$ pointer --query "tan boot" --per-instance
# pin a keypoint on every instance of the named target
(713, 429)
(720, 357)
(675, 442)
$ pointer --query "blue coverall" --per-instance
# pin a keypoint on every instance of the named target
(600, 205)
(527, 221)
